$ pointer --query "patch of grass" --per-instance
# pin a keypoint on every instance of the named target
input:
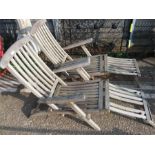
(118, 54)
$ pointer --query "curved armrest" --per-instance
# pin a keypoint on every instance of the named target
(63, 99)
(71, 65)
(83, 42)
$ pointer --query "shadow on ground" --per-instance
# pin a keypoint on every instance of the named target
(43, 131)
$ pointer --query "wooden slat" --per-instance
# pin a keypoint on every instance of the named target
(83, 42)
(147, 110)
(101, 63)
(125, 99)
(126, 113)
(73, 65)
(50, 52)
(124, 92)
(125, 96)
(49, 56)
(63, 99)
(138, 71)
(105, 63)
(100, 95)
(39, 76)
(48, 41)
(124, 89)
(23, 81)
(86, 50)
(127, 108)
(27, 78)
(107, 97)
(31, 74)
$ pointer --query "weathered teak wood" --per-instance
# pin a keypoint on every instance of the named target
(56, 54)
(51, 47)
(72, 65)
(63, 99)
(80, 43)
(131, 103)
(93, 91)
(24, 63)
(96, 67)
(122, 66)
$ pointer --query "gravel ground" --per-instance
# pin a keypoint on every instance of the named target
(15, 109)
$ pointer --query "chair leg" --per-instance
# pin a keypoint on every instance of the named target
(53, 106)
(151, 123)
(83, 115)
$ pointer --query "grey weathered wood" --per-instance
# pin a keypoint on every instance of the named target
(123, 66)
(101, 64)
(127, 96)
(100, 95)
(107, 97)
(147, 110)
(126, 113)
(81, 43)
(131, 97)
(127, 108)
(105, 63)
(126, 99)
(71, 65)
(63, 99)
(124, 88)
(138, 71)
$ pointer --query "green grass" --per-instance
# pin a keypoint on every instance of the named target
(118, 54)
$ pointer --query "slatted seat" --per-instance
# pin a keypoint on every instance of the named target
(127, 102)
(93, 90)
(98, 66)
(122, 66)
(8, 83)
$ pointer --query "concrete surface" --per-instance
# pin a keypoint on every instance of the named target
(15, 109)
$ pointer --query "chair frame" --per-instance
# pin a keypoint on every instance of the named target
(45, 84)
(57, 55)
(23, 62)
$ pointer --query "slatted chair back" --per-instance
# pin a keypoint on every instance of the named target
(24, 63)
(48, 44)
(51, 48)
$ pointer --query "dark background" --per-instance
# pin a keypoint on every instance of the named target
(110, 35)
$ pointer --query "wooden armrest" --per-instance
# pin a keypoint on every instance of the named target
(71, 65)
(63, 99)
(83, 42)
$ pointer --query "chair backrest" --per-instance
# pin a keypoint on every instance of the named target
(47, 43)
(51, 48)
(23, 62)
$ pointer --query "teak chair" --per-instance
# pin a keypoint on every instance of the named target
(100, 64)
(24, 63)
